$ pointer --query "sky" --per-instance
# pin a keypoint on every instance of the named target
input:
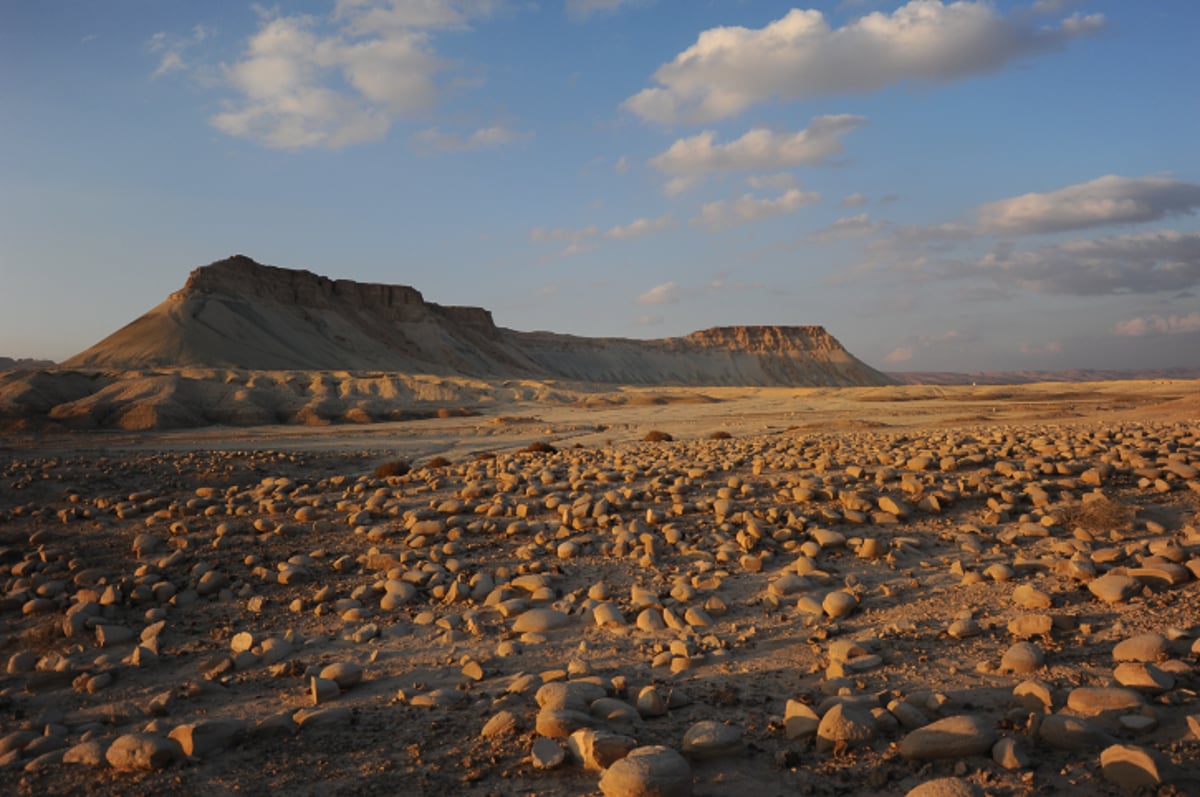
(956, 186)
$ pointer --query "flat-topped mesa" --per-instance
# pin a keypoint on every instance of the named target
(766, 339)
(244, 278)
(236, 313)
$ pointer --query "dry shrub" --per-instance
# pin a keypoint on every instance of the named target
(438, 462)
(539, 447)
(655, 436)
(484, 455)
(1098, 515)
(395, 467)
(720, 434)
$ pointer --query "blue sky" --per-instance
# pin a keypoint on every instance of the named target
(943, 185)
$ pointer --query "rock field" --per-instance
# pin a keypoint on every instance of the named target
(959, 609)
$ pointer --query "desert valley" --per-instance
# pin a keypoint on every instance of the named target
(289, 534)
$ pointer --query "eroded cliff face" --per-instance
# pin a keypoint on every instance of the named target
(766, 339)
(236, 313)
(241, 277)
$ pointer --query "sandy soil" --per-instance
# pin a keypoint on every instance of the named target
(881, 550)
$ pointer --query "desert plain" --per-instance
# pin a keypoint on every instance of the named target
(622, 591)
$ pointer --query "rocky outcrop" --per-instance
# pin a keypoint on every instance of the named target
(237, 313)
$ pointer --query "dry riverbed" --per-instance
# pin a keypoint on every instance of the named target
(890, 591)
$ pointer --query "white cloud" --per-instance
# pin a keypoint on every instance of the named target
(639, 227)
(1139, 263)
(853, 201)
(484, 138)
(1106, 200)
(170, 48)
(580, 10)
(689, 159)
(577, 240)
(899, 355)
(1158, 325)
(799, 56)
(667, 293)
(749, 208)
(622, 165)
(847, 227)
(650, 320)
(305, 81)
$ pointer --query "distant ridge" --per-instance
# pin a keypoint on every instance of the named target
(237, 313)
(1031, 377)
(12, 364)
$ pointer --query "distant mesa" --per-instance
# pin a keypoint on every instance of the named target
(243, 344)
(23, 363)
(240, 314)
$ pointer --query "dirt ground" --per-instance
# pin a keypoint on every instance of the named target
(936, 510)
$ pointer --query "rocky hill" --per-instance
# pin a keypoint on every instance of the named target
(237, 313)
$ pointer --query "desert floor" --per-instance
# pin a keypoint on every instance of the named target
(815, 591)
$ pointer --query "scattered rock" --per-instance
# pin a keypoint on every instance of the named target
(653, 771)
(1129, 767)
(135, 752)
(710, 739)
(952, 737)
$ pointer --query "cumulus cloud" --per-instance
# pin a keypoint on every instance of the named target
(748, 208)
(483, 138)
(847, 227)
(853, 201)
(667, 293)
(1106, 200)
(171, 49)
(622, 165)
(800, 56)
(639, 227)
(901, 354)
(576, 240)
(306, 81)
(580, 10)
(688, 160)
(1158, 325)
(1139, 263)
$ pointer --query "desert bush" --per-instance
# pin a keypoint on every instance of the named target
(1099, 515)
(539, 447)
(655, 436)
(394, 467)
(484, 455)
(720, 434)
(438, 462)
